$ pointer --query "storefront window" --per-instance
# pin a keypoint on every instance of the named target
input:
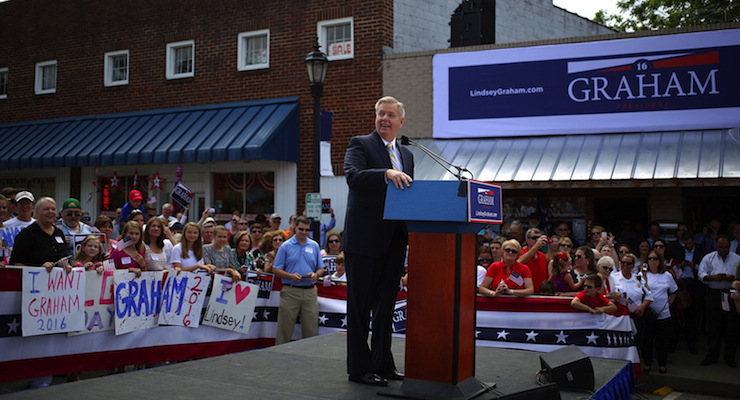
(114, 197)
(253, 192)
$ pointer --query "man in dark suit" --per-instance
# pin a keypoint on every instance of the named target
(375, 248)
(690, 257)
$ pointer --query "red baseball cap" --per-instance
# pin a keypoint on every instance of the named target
(134, 195)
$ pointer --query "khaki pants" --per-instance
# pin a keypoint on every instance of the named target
(295, 301)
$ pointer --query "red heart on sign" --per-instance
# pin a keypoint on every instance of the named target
(241, 293)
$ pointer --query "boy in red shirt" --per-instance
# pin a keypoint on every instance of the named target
(590, 299)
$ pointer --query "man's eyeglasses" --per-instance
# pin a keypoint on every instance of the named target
(334, 241)
(73, 214)
(511, 251)
(242, 223)
(482, 260)
(256, 231)
(303, 229)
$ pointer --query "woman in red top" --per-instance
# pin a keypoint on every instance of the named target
(509, 276)
(130, 257)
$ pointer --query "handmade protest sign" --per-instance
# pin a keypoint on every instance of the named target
(52, 301)
(182, 299)
(137, 300)
(231, 305)
(99, 308)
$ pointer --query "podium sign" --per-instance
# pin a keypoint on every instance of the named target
(484, 202)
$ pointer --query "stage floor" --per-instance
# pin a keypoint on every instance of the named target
(307, 369)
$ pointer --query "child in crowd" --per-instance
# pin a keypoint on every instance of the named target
(590, 299)
(339, 277)
(90, 255)
(130, 251)
(547, 288)
(559, 270)
(188, 254)
(134, 203)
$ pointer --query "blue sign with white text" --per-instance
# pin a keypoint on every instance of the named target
(484, 202)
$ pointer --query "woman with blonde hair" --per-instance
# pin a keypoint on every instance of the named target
(188, 254)
(509, 276)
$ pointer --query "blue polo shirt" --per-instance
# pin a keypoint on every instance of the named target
(292, 257)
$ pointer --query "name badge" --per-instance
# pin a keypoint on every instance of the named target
(126, 260)
(155, 257)
(59, 239)
(309, 250)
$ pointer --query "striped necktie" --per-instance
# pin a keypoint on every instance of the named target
(392, 155)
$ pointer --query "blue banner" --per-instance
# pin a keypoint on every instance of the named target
(484, 202)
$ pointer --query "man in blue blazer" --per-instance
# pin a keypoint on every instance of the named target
(374, 248)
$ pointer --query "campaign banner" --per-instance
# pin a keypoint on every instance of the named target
(668, 82)
(99, 308)
(182, 195)
(183, 296)
(231, 305)
(7, 236)
(484, 202)
(264, 282)
(330, 265)
(52, 301)
(137, 300)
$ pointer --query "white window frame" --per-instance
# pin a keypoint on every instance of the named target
(321, 27)
(107, 78)
(38, 84)
(7, 74)
(171, 58)
(243, 38)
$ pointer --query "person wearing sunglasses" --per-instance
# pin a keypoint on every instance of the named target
(70, 223)
(508, 276)
(591, 299)
(658, 333)
(332, 249)
(583, 264)
(605, 266)
(533, 257)
(485, 258)
(633, 294)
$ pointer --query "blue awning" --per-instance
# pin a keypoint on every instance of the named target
(259, 130)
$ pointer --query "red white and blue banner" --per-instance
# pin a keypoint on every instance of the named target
(484, 202)
(669, 82)
(534, 323)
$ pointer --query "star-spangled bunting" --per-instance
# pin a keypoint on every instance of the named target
(156, 182)
(114, 181)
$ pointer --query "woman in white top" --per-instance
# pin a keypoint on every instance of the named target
(157, 249)
(633, 294)
(664, 288)
(188, 254)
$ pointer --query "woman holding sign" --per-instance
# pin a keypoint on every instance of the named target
(511, 277)
(130, 251)
(157, 249)
(188, 254)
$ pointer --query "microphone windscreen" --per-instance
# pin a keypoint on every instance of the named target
(404, 140)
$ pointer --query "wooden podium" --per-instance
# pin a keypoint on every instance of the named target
(440, 319)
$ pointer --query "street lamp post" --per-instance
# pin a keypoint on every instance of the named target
(316, 63)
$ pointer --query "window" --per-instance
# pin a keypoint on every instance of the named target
(116, 68)
(181, 60)
(46, 77)
(251, 192)
(254, 50)
(3, 83)
(335, 37)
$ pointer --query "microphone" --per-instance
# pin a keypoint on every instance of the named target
(460, 170)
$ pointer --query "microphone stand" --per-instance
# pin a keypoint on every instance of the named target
(460, 170)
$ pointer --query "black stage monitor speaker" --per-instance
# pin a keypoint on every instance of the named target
(547, 392)
(569, 368)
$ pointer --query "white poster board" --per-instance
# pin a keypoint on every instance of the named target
(231, 306)
(52, 302)
(99, 308)
(137, 300)
(183, 296)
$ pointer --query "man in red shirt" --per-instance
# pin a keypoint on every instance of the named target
(533, 258)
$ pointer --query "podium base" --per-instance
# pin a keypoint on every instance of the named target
(421, 389)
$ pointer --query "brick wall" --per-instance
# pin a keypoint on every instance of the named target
(77, 33)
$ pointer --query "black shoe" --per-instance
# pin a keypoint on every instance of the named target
(692, 349)
(708, 361)
(391, 376)
(368, 378)
(731, 363)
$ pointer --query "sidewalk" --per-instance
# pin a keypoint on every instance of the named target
(686, 374)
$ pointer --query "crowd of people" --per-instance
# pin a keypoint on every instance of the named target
(672, 289)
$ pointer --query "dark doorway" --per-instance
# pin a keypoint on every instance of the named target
(626, 218)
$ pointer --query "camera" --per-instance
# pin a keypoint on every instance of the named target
(212, 210)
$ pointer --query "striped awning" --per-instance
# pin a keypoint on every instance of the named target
(264, 130)
(604, 157)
